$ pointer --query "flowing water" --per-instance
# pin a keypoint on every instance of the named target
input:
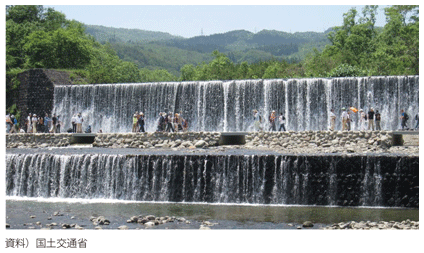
(228, 105)
(242, 178)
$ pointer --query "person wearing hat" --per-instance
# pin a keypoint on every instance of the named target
(34, 123)
(79, 121)
(371, 119)
(344, 119)
(332, 120)
(134, 127)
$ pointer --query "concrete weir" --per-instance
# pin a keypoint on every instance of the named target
(215, 177)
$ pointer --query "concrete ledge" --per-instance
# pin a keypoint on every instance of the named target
(406, 132)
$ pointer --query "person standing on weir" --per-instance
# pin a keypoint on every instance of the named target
(417, 118)
(348, 120)
(272, 121)
(79, 121)
(332, 120)
(74, 124)
(141, 122)
(377, 120)
(169, 120)
(362, 118)
(281, 120)
(34, 123)
(371, 119)
(404, 118)
(134, 127)
(344, 119)
(29, 120)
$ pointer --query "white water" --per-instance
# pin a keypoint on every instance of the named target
(228, 105)
(249, 179)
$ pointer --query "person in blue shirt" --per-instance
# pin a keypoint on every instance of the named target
(404, 118)
(47, 123)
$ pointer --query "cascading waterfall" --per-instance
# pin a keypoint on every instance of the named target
(257, 179)
(228, 105)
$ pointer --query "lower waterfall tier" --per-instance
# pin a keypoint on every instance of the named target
(259, 179)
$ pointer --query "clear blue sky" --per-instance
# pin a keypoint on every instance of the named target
(190, 20)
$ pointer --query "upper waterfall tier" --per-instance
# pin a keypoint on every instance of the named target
(228, 105)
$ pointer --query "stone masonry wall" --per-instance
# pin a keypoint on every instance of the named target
(36, 91)
(294, 142)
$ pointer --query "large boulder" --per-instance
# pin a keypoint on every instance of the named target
(200, 144)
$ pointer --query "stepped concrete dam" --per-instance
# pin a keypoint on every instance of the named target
(305, 166)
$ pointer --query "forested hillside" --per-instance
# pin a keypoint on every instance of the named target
(154, 50)
(104, 34)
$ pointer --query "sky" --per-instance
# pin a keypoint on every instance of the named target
(191, 20)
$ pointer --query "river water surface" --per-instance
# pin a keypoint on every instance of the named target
(19, 210)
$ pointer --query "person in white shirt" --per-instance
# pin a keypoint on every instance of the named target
(79, 121)
(34, 123)
(362, 120)
(281, 120)
(29, 125)
(332, 120)
(74, 125)
(344, 119)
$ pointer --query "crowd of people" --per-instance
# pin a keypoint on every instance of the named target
(34, 124)
(39, 124)
(138, 122)
(367, 121)
(273, 120)
(76, 122)
(168, 122)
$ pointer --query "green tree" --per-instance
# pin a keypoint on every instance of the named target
(62, 48)
(398, 50)
(221, 67)
(188, 72)
(24, 13)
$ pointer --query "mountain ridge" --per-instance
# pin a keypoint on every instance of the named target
(150, 49)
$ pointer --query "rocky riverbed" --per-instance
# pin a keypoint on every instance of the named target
(381, 225)
(150, 221)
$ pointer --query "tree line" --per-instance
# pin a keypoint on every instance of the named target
(38, 37)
